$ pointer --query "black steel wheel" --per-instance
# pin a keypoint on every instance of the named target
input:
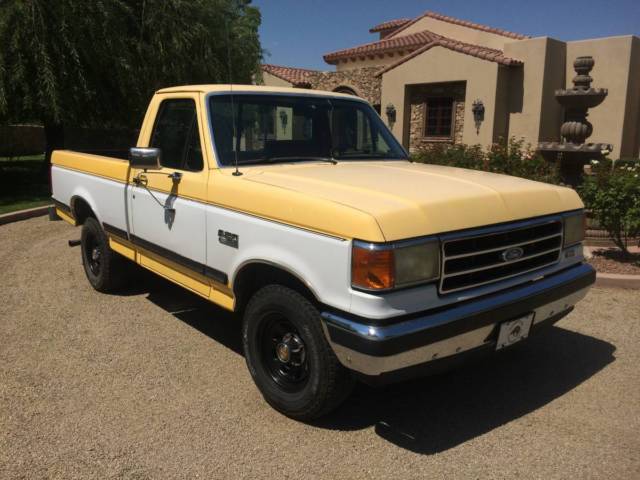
(288, 356)
(104, 268)
(92, 253)
(284, 352)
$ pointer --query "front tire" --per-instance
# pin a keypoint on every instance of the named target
(105, 269)
(288, 356)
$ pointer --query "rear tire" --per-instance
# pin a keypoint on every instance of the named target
(288, 356)
(105, 269)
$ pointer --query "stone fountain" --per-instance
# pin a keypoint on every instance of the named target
(572, 152)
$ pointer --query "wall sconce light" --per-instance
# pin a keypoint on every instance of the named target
(478, 113)
(391, 113)
(284, 119)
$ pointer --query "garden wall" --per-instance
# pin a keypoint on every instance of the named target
(19, 140)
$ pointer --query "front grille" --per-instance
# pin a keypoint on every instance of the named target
(473, 260)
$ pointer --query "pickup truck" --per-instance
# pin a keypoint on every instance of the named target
(344, 260)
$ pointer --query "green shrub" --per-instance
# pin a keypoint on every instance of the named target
(612, 195)
(459, 155)
(509, 158)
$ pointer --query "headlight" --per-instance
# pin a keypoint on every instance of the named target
(384, 267)
(574, 227)
(417, 263)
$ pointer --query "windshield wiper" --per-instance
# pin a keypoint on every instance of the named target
(298, 158)
(369, 156)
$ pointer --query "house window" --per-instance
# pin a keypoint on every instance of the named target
(438, 117)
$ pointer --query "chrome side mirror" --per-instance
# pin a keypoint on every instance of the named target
(145, 158)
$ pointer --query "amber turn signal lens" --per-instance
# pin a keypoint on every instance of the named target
(372, 269)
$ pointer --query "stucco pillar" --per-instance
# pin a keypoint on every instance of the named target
(534, 113)
(393, 94)
(618, 68)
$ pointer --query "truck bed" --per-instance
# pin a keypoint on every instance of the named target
(100, 180)
(112, 167)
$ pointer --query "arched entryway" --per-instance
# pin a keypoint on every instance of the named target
(347, 90)
(351, 91)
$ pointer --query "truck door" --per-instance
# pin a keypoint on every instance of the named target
(167, 205)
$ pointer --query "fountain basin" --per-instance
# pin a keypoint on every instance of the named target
(584, 151)
(581, 99)
(571, 158)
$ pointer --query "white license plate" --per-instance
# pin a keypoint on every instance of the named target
(514, 330)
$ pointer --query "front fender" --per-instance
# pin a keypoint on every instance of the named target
(321, 262)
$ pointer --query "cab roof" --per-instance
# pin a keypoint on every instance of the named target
(251, 88)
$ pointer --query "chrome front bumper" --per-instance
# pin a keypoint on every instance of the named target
(374, 347)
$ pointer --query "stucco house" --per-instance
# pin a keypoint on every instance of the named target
(431, 70)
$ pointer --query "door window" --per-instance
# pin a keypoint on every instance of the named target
(439, 117)
(176, 134)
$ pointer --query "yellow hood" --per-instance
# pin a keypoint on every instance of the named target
(405, 199)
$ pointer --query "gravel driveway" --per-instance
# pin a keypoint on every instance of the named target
(152, 384)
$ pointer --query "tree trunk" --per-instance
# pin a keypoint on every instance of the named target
(54, 139)
(620, 241)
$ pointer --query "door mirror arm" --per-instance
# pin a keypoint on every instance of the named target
(174, 176)
(140, 180)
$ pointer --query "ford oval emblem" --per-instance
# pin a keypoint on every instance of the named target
(512, 254)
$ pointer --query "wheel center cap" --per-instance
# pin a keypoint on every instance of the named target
(283, 352)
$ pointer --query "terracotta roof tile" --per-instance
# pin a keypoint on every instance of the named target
(477, 26)
(389, 25)
(295, 76)
(405, 42)
(416, 43)
(477, 51)
(464, 23)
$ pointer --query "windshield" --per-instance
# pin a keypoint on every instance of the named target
(289, 128)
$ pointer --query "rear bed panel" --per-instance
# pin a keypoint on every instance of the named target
(100, 181)
(106, 167)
